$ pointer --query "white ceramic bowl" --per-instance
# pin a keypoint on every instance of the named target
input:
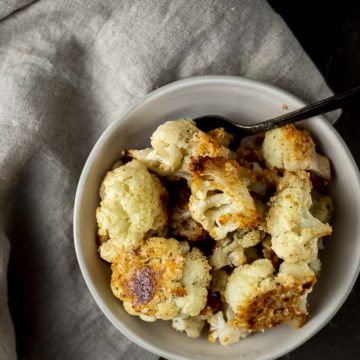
(248, 102)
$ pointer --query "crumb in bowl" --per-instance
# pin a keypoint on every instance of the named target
(213, 239)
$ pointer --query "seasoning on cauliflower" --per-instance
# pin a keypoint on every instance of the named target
(133, 202)
(292, 149)
(294, 231)
(220, 200)
(173, 144)
(181, 223)
(161, 280)
(248, 237)
(261, 300)
(222, 328)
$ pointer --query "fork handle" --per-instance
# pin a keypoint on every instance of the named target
(329, 104)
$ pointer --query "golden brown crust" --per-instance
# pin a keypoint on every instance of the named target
(149, 275)
(279, 305)
(207, 146)
(301, 141)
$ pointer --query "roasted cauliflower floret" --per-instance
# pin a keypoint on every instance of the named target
(173, 144)
(192, 326)
(294, 231)
(196, 279)
(248, 237)
(292, 149)
(231, 250)
(227, 252)
(133, 202)
(161, 280)
(261, 300)
(220, 200)
(222, 328)
(181, 223)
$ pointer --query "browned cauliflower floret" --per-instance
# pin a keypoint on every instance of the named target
(222, 328)
(220, 200)
(173, 144)
(294, 231)
(292, 149)
(161, 280)
(181, 223)
(261, 300)
(132, 204)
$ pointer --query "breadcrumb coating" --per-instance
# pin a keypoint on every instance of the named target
(263, 300)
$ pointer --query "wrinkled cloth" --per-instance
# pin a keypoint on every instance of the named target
(68, 68)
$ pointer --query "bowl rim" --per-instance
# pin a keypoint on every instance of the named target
(195, 80)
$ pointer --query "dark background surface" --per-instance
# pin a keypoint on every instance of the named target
(330, 33)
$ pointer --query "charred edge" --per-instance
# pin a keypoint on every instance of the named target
(143, 285)
(126, 156)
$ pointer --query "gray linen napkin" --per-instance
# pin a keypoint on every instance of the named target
(67, 69)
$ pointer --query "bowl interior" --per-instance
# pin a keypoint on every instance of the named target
(247, 102)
